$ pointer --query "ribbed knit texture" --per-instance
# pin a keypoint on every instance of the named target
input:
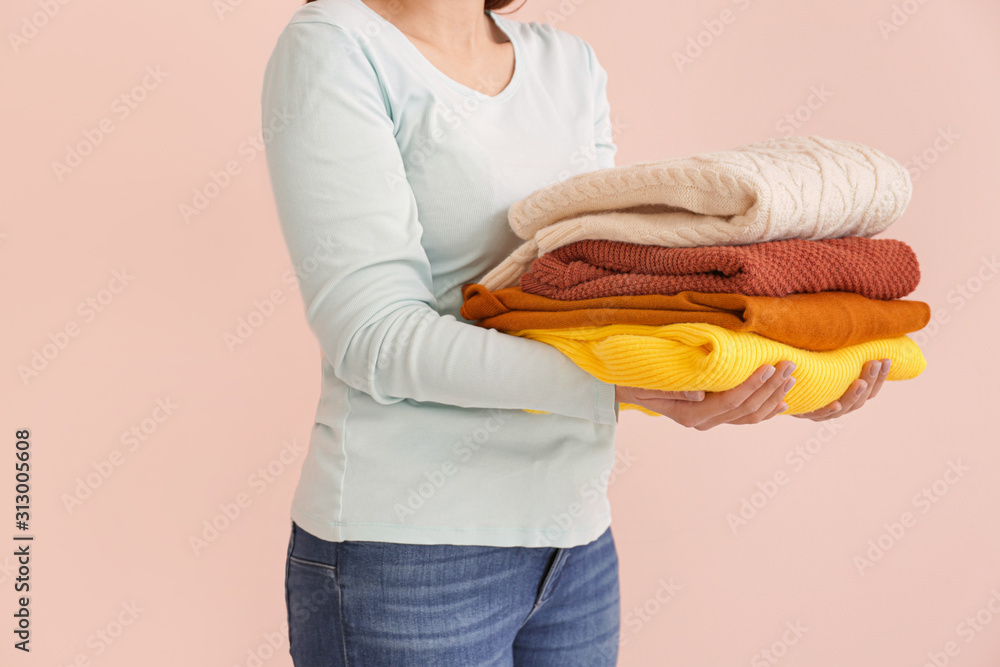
(820, 321)
(875, 268)
(795, 187)
(682, 357)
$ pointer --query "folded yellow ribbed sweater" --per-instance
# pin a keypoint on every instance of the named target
(682, 357)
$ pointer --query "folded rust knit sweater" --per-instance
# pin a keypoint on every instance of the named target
(820, 321)
(875, 268)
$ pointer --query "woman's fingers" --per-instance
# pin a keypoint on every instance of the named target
(759, 398)
(770, 407)
(881, 378)
(733, 405)
(819, 414)
(873, 375)
(850, 398)
(778, 409)
(859, 389)
(691, 413)
(781, 407)
(870, 377)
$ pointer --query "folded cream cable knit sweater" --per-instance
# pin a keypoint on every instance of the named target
(795, 187)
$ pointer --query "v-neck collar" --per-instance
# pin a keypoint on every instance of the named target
(501, 23)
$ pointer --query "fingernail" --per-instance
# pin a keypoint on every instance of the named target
(789, 383)
(861, 388)
(693, 395)
(782, 407)
(788, 370)
(885, 366)
(768, 372)
(875, 369)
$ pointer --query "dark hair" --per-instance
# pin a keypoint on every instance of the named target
(488, 4)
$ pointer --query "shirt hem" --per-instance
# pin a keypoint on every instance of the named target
(339, 531)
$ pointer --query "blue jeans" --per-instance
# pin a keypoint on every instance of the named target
(380, 604)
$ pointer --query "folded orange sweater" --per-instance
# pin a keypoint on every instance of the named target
(820, 321)
(876, 268)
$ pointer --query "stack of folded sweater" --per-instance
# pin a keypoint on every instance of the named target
(691, 273)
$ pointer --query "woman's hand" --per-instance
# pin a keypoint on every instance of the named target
(861, 390)
(759, 398)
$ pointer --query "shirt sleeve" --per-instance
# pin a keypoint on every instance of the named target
(351, 224)
(603, 127)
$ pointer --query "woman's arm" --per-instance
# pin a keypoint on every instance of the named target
(351, 224)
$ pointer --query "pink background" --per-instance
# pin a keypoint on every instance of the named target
(161, 337)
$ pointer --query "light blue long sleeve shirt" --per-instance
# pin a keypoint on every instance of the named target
(392, 183)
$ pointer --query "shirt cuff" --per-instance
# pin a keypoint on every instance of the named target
(606, 408)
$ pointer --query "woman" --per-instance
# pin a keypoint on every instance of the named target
(436, 522)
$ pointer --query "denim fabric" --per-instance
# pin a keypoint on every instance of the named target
(382, 604)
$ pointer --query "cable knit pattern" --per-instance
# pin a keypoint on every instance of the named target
(682, 357)
(782, 188)
(874, 268)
